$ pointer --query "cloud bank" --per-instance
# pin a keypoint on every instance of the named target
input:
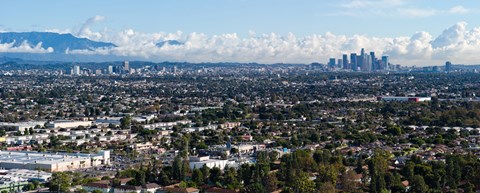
(456, 43)
(24, 47)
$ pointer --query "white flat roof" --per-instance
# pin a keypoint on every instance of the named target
(40, 158)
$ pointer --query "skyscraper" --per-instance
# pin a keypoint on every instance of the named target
(110, 69)
(448, 66)
(373, 59)
(353, 61)
(385, 63)
(345, 61)
(331, 62)
(126, 66)
(76, 70)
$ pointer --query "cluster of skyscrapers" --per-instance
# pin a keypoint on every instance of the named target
(124, 69)
(363, 62)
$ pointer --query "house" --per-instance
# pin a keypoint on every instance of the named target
(103, 186)
(151, 187)
(174, 189)
(127, 189)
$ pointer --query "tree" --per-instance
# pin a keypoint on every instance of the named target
(60, 182)
(303, 184)
(97, 191)
(81, 190)
(177, 169)
(327, 187)
(270, 182)
(453, 170)
(140, 178)
(417, 185)
(206, 173)
(377, 167)
(215, 174)
(255, 187)
(125, 122)
(348, 181)
(197, 176)
(230, 178)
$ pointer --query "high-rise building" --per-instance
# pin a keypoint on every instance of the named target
(367, 65)
(353, 61)
(345, 61)
(76, 70)
(126, 66)
(331, 62)
(339, 63)
(373, 62)
(110, 69)
(448, 66)
(385, 63)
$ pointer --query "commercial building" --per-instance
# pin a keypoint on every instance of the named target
(21, 126)
(52, 162)
(76, 70)
(21, 175)
(68, 124)
(413, 99)
(199, 162)
(126, 66)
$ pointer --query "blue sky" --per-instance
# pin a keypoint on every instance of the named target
(411, 32)
(384, 18)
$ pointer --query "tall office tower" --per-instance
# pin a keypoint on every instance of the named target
(76, 70)
(110, 69)
(331, 62)
(448, 66)
(126, 66)
(174, 70)
(345, 61)
(339, 63)
(362, 52)
(368, 64)
(353, 61)
(385, 63)
(373, 61)
(360, 61)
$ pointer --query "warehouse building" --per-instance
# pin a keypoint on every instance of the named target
(405, 99)
(52, 162)
(68, 124)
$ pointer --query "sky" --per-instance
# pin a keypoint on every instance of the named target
(412, 32)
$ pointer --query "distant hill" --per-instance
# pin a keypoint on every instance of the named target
(169, 42)
(59, 42)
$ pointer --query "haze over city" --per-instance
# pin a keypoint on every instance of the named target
(420, 33)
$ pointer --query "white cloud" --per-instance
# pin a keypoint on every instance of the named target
(458, 10)
(456, 43)
(24, 47)
(60, 31)
(85, 30)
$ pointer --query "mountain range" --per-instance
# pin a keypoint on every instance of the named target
(59, 42)
(57, 47)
